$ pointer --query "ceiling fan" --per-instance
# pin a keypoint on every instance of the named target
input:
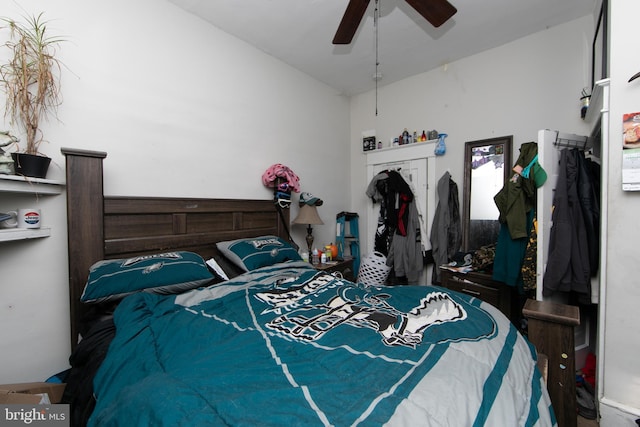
(437, 12)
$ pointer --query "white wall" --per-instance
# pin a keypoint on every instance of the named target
(620, 386)
(182, 109)
(516, 89)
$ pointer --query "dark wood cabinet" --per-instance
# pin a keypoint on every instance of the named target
(483, 287)
(551, 331)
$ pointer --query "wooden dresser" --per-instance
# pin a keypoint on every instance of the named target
(482, 286)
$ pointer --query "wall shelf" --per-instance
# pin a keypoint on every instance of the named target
(11, 234)
(21, 184)
(18, 184)
(401, 153)
(401, 147)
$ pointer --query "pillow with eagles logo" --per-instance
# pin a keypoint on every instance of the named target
(165, 273)
(257, 252)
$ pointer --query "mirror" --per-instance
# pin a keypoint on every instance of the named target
(487, 164)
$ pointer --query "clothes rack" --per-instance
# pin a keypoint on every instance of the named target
(570, 140)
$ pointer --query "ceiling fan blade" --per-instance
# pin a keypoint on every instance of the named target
(350, 21)
(437, 12)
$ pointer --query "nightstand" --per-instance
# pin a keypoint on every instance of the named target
(344, 266)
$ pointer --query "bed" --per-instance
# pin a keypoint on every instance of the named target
(278, 344)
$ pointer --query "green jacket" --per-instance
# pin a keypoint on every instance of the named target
(518, 196)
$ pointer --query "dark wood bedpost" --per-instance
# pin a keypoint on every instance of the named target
(85, 208)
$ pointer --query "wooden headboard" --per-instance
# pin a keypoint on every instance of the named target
(106, 227)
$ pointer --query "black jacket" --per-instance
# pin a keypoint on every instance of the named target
(395, 196)
(568, 268)
(589, 194)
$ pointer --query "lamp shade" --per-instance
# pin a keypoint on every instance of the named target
(308, 215)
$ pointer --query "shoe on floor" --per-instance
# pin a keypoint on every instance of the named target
(586, 403)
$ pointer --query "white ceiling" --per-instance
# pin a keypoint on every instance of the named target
(300, 33)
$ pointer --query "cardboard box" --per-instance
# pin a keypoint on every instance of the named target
(31, 393)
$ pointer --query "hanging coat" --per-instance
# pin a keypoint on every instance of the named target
(405, 251)
(454, 242)
(394, 195)
(446, 226)
(375, 191)
(568, 266)
(588, 192)
(518, 195)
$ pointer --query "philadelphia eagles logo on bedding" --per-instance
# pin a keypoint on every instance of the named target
(260, 243)
(168, 255)
(303, 316)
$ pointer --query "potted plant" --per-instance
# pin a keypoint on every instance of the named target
(30, 78)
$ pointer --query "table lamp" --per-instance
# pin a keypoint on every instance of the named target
(308, 215)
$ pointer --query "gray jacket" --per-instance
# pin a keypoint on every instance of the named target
(446, 233)
(405, 252)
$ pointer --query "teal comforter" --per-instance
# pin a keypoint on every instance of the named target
(287, 345)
